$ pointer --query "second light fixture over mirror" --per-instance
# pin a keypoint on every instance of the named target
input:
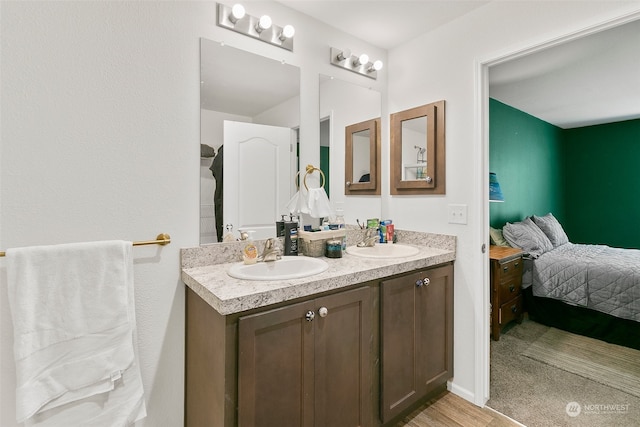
(360, 64)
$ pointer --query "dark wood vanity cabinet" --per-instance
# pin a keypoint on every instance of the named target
(307, 364)
(354, 357)
(416, 337)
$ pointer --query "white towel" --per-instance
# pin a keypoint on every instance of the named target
(318, 202)
(299, 203)
(74, 334)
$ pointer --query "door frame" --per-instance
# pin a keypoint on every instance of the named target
(481, 156)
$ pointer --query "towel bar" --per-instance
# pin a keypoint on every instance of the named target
(161, 239)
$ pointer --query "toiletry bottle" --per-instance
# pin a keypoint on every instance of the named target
(228, 237)
(291, 237)
(341, 226)
(250, 251)
(280, 227)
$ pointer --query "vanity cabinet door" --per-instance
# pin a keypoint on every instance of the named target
(343, 351)
(275, 368)
(416, 337)
(307, 364)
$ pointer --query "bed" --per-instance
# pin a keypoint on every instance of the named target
(592, 290)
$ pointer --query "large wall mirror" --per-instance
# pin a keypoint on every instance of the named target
(418, 150)
(348, 109)
(249, 117)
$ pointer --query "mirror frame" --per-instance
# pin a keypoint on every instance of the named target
(435, 146)
(373, 186)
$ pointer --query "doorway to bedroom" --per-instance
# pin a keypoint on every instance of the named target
(528, 151)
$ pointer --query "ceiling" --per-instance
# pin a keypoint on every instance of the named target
(588, 81)
(592, 80)
(384, 23)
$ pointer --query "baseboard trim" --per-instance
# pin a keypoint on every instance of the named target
(462, 392)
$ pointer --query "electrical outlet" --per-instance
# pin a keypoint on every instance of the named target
(457, 214)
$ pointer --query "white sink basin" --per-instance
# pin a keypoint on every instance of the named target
(288, 267)
(383, 250)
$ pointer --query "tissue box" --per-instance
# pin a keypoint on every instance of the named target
(312, 243)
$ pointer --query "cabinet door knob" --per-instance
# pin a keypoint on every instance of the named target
(424, 282)
(323, 311)
(512, 288)
(505, 269)
(514, 309)
(310, 316)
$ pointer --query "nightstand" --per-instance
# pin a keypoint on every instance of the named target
(506, 287)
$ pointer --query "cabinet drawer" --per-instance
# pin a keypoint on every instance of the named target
(510, 270)
(510, 289)
(510, 310)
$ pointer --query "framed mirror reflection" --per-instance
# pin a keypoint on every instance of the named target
(418, 159)
(362, 158)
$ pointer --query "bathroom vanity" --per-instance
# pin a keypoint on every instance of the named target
(359, 344)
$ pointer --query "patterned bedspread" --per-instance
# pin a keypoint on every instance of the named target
(598, 277)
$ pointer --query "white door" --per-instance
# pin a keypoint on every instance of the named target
(257, 174)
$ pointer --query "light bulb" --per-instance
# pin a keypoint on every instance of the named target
(288, 31)
(237, 12)
(264, 23)
(377, 66)
(362, 59)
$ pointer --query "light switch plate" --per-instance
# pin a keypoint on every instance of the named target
(457, 214)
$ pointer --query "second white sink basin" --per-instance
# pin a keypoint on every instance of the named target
(384, 250)
(288, 267)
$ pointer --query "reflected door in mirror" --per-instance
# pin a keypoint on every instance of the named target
(256, 176)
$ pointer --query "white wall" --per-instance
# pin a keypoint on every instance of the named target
(100, 140)
(444, 64)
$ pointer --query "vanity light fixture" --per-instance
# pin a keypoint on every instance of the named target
(235, 18)
(357, 63)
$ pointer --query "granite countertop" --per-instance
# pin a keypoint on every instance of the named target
(204, 270)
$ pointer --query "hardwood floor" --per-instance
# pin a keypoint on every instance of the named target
(449, 410)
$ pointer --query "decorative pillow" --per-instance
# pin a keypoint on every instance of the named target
(527, 236)
(496, 237)
(552, 228)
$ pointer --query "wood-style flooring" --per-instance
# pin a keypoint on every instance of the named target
(449, 410)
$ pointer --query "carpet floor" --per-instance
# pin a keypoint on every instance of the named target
(538, 394)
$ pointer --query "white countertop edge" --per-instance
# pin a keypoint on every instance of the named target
(228, 295)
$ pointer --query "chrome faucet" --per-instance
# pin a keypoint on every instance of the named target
(270, 251)
(370, 239)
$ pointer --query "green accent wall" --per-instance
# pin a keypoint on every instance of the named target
(525, 153)
(602, 174)
(588, 177)
(324, 167)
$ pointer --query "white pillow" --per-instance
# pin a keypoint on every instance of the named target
(552, 228)
(527, 236)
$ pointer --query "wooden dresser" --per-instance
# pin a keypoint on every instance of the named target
(506, 287)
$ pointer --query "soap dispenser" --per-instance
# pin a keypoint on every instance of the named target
(291, 237)
(250, 251)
